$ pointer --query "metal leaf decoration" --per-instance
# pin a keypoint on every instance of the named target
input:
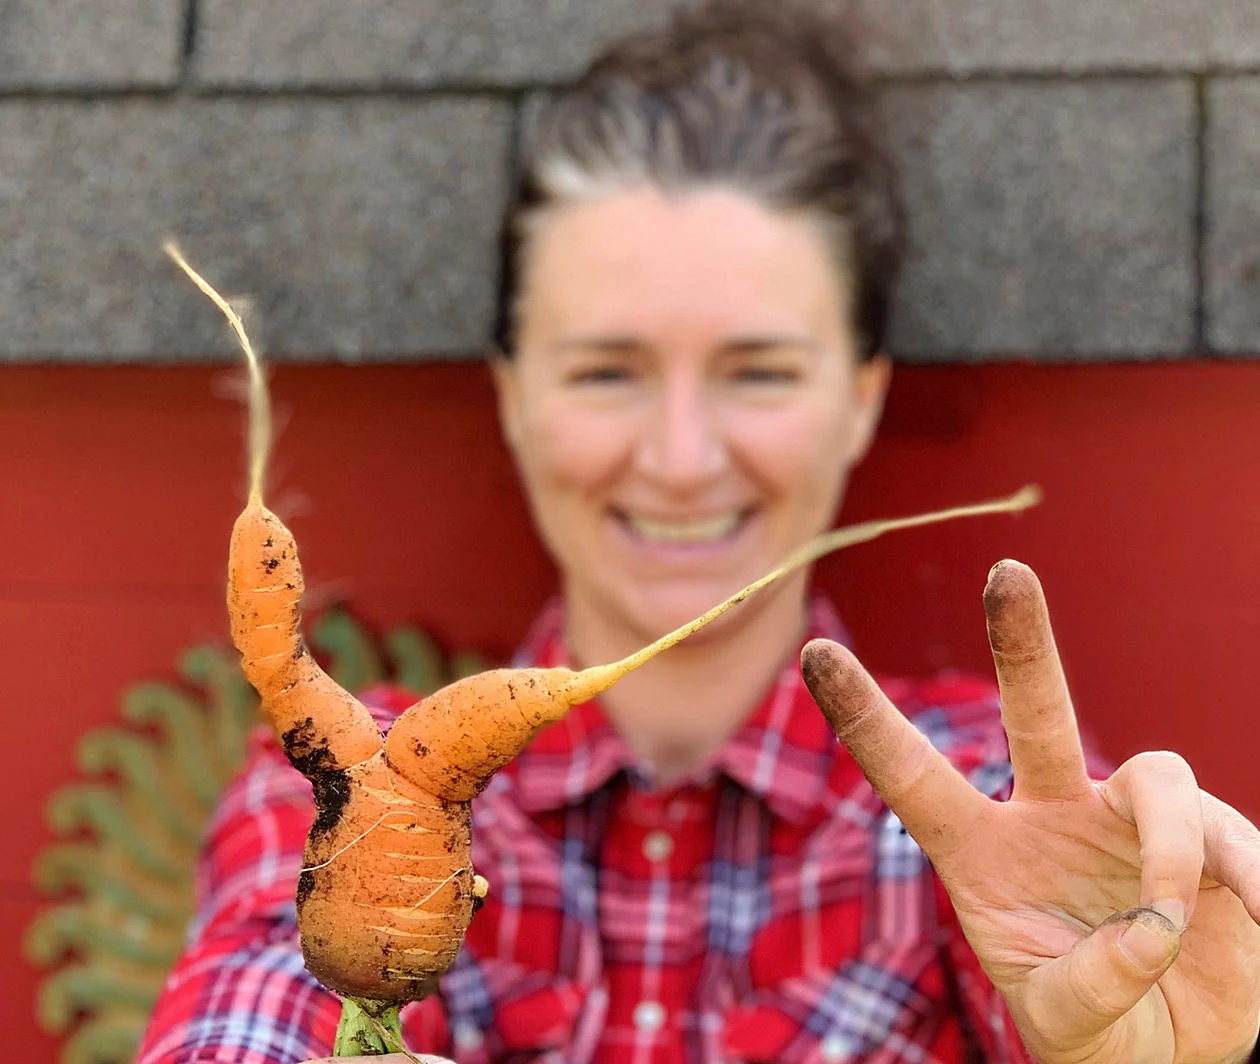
(125, 871)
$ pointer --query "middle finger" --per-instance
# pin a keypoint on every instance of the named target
(1037, 711)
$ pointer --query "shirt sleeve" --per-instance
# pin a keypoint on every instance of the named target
(240, 991)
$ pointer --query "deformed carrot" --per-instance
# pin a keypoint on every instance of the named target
(388, 888)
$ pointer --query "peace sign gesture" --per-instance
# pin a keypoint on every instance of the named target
(1121, 919)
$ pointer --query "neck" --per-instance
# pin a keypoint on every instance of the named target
(676, 711)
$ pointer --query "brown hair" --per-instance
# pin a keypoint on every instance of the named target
(760, 97)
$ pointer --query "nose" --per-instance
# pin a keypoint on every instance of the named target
(682, 445)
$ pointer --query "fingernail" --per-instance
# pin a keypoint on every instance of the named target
(1173, 910)
(1148, 945)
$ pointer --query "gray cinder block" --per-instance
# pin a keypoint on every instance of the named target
(1235, 33)
(357, 229)
(85, 44)
(1232, 246)
(1050, 219)
(1061, 36)
(406, 42)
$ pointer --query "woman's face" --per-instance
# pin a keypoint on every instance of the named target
(685, 402)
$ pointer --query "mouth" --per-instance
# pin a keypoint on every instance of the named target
(685, 532)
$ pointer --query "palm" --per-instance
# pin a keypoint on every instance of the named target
(1081, 863)
(1046, 884)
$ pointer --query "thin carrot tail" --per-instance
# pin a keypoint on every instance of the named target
(323, 727)
(259, 399)
(593, 681)
(453, 741)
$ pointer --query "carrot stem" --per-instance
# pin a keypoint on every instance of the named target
(259, 401)
(593, 681)
(368, 1028)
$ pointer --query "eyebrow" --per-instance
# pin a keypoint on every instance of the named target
(755, 343)
(612, 344)
(752, 343)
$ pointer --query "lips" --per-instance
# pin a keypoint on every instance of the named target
(684, 531)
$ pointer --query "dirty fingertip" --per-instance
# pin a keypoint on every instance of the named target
(1009, 581)
(832, 675)
(819, 657)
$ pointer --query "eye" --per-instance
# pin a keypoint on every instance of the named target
(605, 374)
(766, 375)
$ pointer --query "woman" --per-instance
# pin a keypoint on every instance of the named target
(698, 266)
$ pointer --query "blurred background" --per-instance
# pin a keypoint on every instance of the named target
(1082, 310)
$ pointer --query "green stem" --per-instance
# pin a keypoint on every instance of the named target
(368, 1028)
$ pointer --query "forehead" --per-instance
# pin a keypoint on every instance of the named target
(640, 260)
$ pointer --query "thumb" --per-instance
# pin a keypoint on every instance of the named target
(1079, 995)
(388, 1058)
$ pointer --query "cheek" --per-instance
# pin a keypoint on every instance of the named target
(798, 454)
(568, 452)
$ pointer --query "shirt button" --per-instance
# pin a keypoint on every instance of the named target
(466, 1036)
(833, 1049)
(649, 1015)
(657, 845)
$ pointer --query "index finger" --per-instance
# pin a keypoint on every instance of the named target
(915, 780)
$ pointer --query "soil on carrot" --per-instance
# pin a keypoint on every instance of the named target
(305, 884)
(309, 754)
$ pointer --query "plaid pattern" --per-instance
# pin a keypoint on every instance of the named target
(769, 909)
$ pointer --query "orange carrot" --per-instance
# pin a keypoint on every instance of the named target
(388, 888)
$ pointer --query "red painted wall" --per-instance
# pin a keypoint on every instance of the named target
(120, 485)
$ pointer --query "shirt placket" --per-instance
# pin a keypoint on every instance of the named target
(738, 893)
(651, 1014)
(581, 952)
(701, 894)
(655, 842)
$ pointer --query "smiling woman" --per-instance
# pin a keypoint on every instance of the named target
(698, 261)
(684, 403)
(673, 415)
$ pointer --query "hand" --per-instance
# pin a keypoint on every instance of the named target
(1119, 920)
(388, 1058)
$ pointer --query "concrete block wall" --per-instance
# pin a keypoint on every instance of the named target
(1084, 177)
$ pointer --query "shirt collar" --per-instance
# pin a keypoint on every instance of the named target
(782, 753)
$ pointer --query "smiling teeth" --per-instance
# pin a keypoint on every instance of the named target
(684, 531)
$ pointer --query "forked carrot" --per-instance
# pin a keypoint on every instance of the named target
(388, 887)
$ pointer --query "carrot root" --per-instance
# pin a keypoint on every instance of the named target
(387, 889)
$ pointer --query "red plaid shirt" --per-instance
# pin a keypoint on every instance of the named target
(769, 910)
